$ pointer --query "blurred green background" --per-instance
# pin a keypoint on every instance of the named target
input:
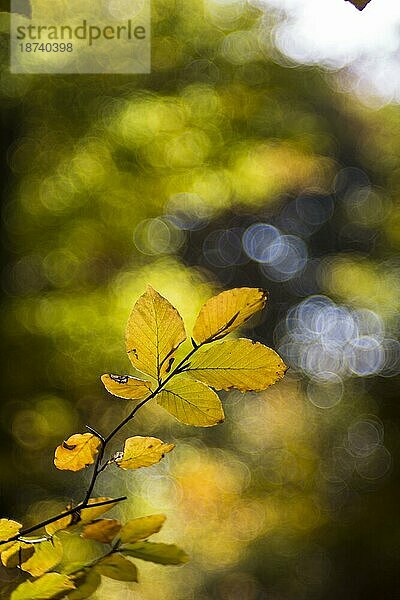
(229, 165)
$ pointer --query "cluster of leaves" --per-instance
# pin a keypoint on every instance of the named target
(186, 390)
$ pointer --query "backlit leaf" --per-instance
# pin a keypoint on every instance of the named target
(86, 584)
(191, 402)
(117, 567)
(16, 554)
(143, 452)
(58, 525)
(8, 529)
(48, 586)
(103, 530)
(141, 528)
(90, 514)
(241, 364)
(226, 312)
(47, 555)
(163, 554)
(154, 331)
(125, 386)
(77, 452)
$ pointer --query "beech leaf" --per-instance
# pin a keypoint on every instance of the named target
(241, 364)
(47, 555)
(360, 4)
(162, 554)
(90, 514)
(86, 584)
(125, 386)
(141, 528)
(154, 331)
(16, 554)
(103, 530)
(226, 312)
(77, 452)
(8, 529)
(48, 586)
(191, 402)
(58, 525)
(143, 452)
(117, 567)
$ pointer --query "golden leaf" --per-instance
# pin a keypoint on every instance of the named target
(90, 514)
(125, 386)
(143, 452)
(87, 583)
(47, 555)
(191, 402)
(77, 452)
(48, 586)
(154, 331)
(16, 554)
(226, 312)
(8, 529)
(62, 523)
(241, 364)
(103, 530)
(162, 554)
(117, 567)
(141, 528)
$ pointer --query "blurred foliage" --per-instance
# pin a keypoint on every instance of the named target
(114, 182)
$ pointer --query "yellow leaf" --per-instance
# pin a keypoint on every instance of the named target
(90, 514)
(48, 586)
(241, 364)
(154, 331)
(226, 312)
(143, 452)
(58, 525)
(77, 452)
(162, 554)
(125, 386)
(8, 529)
(141, 529)
(191, 402)
(117, 567)
(47, 555)
(18, 553)
(103, 530)
(86, 583)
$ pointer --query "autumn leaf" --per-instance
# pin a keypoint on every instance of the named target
(226, 312)
(103, 530)
(86, 584)
(117, 567)
(8, 529)
(154, 331)
(17, 554)
(162, 554)
(48, 586)
(125, 386)
(77, 452)
(58, 525)
(191, 402)
(47, 555)
(241, 364)
(141, 528)
(360, 4)
(90, 514)
(143, 452)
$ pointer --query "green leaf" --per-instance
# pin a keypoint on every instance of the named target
(117, 567)
(48, 586)
(47, 555)
(162, 554)
(191, 402)
(141, 528)
(86, 585)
